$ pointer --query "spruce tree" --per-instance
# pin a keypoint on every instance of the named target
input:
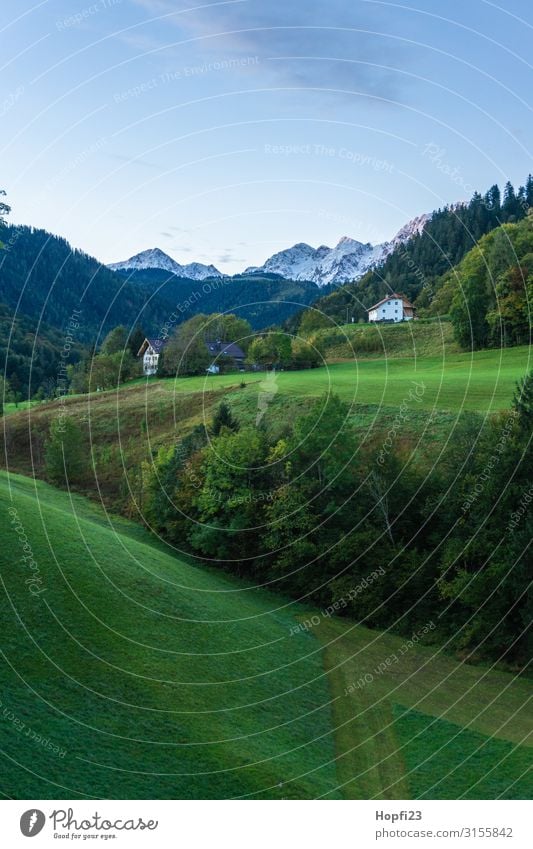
(223, 419)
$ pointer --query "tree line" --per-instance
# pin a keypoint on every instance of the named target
(312, 509)
(424, 268)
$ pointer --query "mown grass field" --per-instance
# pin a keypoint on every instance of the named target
(158, 678)
(482, 381)
(413, 722)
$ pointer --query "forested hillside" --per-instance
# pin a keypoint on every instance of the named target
(490, 293)
(30, 356)
(262, 299)
(44, 278)
(417, 268)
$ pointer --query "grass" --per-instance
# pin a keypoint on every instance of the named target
(159, 679)
(482, 381)
(125, 428)
(455, 763)
(396, 729)
(10, 408)
(371, 341)
(136, 674)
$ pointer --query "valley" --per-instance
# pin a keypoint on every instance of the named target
(135, 672)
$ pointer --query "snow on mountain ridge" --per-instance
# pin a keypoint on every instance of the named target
(156, 258)
(346, 262)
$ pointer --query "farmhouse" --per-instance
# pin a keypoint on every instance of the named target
(225, 352)
(392, 308)
(150, 351)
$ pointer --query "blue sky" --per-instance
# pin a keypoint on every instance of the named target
(223, 132)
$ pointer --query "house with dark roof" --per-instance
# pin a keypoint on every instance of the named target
(392, 308)
(224, 352)
(150, 351)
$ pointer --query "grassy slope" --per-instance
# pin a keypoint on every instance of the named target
(371, 341)
(158, 678)
(125, 428)
(480, 381)
(427, 724)
(163, 679)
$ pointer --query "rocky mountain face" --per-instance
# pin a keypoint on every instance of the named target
(344, 263)
(156, 258)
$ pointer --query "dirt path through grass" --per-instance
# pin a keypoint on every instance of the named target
(373, 677)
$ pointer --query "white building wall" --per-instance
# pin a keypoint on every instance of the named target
(150, 360)
(390, 310)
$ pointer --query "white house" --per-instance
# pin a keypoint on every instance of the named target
(150, 351)
(393, 308)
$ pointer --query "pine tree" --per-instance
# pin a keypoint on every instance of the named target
(223, 419)
(136, 339)
(493, 199)
(510, 207)
(5, 209)
(529, 192)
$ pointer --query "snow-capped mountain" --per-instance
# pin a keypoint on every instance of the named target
(156, 258)
(346, 262)
(412, 228)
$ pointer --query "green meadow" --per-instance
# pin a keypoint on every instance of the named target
(481, 381)
(132, 672)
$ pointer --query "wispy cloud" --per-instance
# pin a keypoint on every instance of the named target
(228, 257)
(339, 45)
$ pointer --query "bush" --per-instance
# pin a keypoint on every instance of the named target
(65, 453)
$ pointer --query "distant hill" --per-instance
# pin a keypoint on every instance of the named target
(30, 353)
(416, 267)
(263, 299)
(44, 278)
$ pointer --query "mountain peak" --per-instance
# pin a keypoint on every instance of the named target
(346, 241)
(156, 258)
(344, 263)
